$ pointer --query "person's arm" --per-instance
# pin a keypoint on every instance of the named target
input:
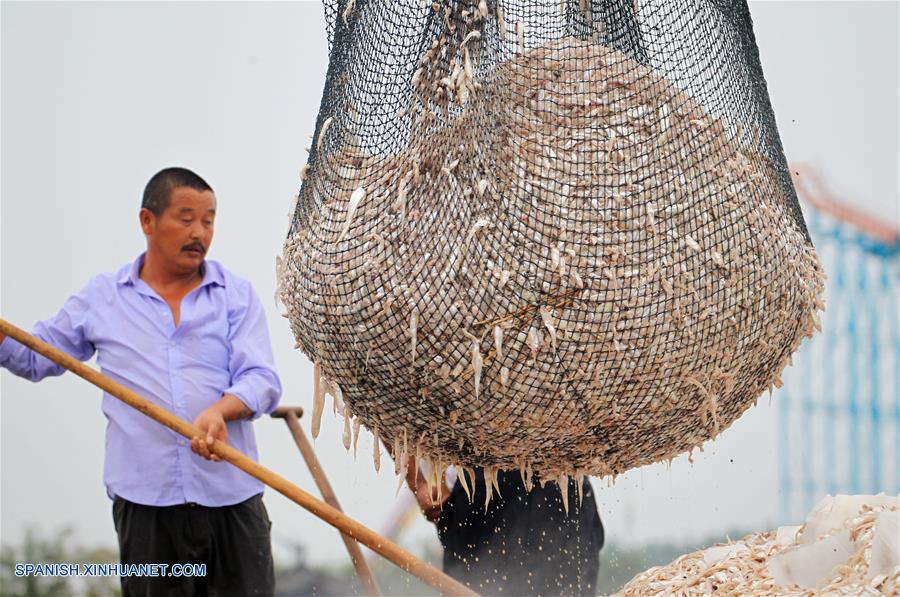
(255, 387)
(212, 421)
(67, 331)
(426, 498)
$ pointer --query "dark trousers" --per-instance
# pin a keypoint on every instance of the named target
(233, 542)
(524, 543)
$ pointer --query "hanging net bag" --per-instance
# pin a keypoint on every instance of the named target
(557, 236)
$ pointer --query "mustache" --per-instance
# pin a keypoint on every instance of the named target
(194, 247)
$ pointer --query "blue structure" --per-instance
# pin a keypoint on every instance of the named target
(839, 409)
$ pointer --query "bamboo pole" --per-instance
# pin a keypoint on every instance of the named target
(291, 417)
(332, 516)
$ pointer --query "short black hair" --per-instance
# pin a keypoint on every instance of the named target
(158, 192)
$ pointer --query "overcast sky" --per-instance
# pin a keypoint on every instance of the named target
(96, 97)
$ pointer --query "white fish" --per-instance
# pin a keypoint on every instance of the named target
(356, 425)
(498, 341)
(691, 243)
(461, 475)
(376, 449)
(579, 481)
(323, 131)
(477, 362)
(318, 400)
(355, 198)
(534, 342)
(482, 9)
(413, 330)
(347, 434)
(488, 486)
(548, 323)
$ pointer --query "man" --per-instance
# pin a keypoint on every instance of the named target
(523, 543)
(185, 333)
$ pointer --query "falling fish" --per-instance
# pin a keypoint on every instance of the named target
(347, 434)
(356, 425)
(376, 450)
(318, 399)
(564, 491)
(355, 198)
(498, 341)
(461, 475)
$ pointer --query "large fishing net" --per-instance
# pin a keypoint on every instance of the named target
(552, 235)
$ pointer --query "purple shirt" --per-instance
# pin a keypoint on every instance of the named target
(221, 345)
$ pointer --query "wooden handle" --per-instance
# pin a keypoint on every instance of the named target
(332, 516)
(312, 462)
(282, 412)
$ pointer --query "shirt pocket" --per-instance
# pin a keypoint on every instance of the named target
(207, 343)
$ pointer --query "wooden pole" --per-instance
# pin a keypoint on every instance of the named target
(291, 417)
(332, 516)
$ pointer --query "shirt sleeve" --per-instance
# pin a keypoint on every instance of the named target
(252, 367)
(68, 331)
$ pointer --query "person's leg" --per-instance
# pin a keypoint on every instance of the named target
(241, 560)
(159, 535)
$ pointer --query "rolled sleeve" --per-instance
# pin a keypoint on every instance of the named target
(67, 331)
(251, 365)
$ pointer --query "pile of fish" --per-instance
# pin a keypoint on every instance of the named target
(848, 546)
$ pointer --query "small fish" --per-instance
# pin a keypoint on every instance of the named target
(318, 400)
(534, 342)
(355, 198)
(564, 491)
(347, 433)
(356, 425)
(691, 243)
(322, 132)
(413, 327)
(547, 318)
(376, 449)
(477, 363)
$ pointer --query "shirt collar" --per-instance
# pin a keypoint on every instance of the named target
(212, 272)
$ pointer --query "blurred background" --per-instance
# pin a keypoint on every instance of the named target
(96, 97)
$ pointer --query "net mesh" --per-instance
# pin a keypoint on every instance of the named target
(558, 235)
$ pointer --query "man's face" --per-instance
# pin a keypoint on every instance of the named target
(182, 235)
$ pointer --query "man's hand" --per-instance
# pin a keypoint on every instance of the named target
(427, 500)
(212, 422)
